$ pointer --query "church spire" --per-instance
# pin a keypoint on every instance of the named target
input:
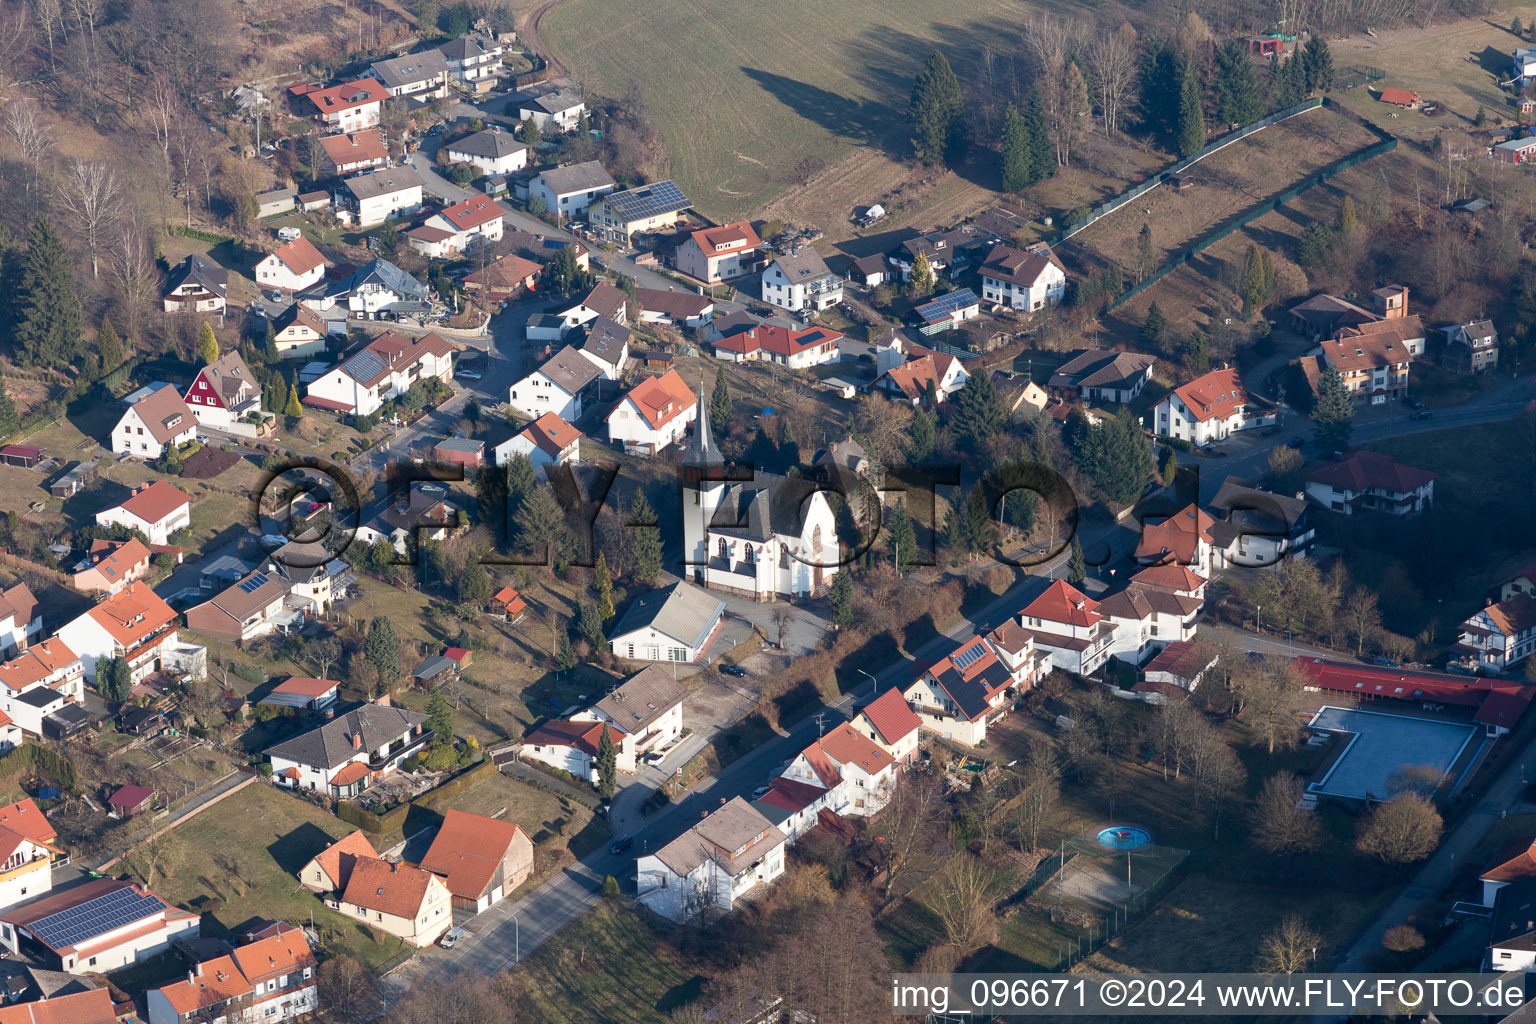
(702, 453)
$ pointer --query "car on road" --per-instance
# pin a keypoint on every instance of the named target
(468, 375)
(1298, 442)
(451, 938)
(733, 670)
(760, 791)
(1385, 663)
(257, 309)
(1255, 655)
(1420, 414)
(621, 844)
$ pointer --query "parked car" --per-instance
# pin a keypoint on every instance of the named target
(1298, 442)
(257, 309)
(732, 670)
(621, 844)
(468, 375)
(1385, 663)
(1420, 414)
(451, 938)
(760, 791)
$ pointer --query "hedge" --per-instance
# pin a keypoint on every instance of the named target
(50, 763)
(204, 236)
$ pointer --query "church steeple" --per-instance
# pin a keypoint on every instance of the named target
(702, 456)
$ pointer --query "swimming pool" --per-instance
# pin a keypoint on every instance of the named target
(1123, 837)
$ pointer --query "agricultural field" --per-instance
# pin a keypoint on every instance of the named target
(771, 90)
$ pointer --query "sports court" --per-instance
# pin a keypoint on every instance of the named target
(1380, 743)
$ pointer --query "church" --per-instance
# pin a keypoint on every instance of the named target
(766, 538)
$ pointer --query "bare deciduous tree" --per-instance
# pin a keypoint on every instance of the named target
(1403, 830)
(15, 37)
(964, 904)
(1279, 824)
(1288, 948)
(911, 823)
(33, 137)
(1112, 69)
(1363, 615)
(133, 270)
(90, 191)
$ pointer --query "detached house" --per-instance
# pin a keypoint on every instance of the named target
(1211, 408)
(788, 346)
(379, 291)
(413, 905)
(1101, 376)
(350, 106)
(423, 75)
(251, 608)
(1500, 636)
(197, 285)
(715, 863)
(1068, 628)
(479, 859)
(558, 386)
(938, 247)
(1472, 347)
(1260, 528)
(908, 381)
(1027, 279)
(556, 111)
(291, 268)
(369, 199)
(892, 724)
(382, 370)
(423, 511)
(713, 255)
(27, 850)
(1158, 607)
(800, 281)
(644, 714)
(961, 695)
(508, 278)
(491, 151)
(96, 927)
(299, 333)
(158, 419)
(223, 392)
(454, 228)
(1371, 482)
(671, 623)
(156, 510)
(110, 565)
(676, 308)
(350, 752)
(270, 979)
(472, 58)
(134, 624)
(619, 216)
(21, 623)
(42, 689)
(351, 152)
(568, 191)
(547, 441)
(653, 415)
(1183, 538)
(606, 345)
(569, 745)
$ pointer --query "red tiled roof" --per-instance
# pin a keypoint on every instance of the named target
(791, 795)
(891, 716)
(1170, 577)
(130, 796)
(564, 732)
(1366, 469)
(738, 236)
(912, 376)
(285, 950)
(1176, 538)
(551, 434)
(155, 502)
(36, 664)
(355, 147)
(1183, 659)
(133, 615)
(299, 256)
(1216, 394)
(467, 850)
(115, 559)
(357, 771)
(508, 272)
(472, 213)
(93, 1006)
(1515, 615)
(1063, 602)
(338, 859)
(348, 95)
(214, 983)
(395, 889)
(1499, 702)
(1400, 97)
(781, 341)
(306, 686)
(1515, 858)
(164, 414)
(661, 399)
(846, 745)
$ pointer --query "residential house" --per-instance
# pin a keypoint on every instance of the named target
(569, 745)
(96, 927)
(472, 58)
(948, 311)
(1323, 314)
(293, 267)
(369, 199)
(1515, 151)
(1472, 347)
(797, 349)
(1183, 538)
(330, 870)
(345, 755)
(21, 623)
(542, 248)
(395, 898)
(351, 106)
(602, 300)
(801, 281)
(909, 381)
(492, 151)
(1523, 68)
(606, 345)
(717, 862)
(1068, 628)
(855, 773)
(421, 512)
(673, 308)
(671, 623)
(508, 605)
(465, 451)
(1369, 481)
(1259, 528)
(196, 285)
(1157, 607)
(962, 694)
(1499, 637)
(568, 191)
(1183, 663)
(547, 441)
(156, 510)
(224, 392)
(303, 693)
(653, 415)
(158, 419)
(619, 216)
(1211, 408)
(42, 689)
(28, 847)
(553, 112)
(869, 271)
(1373, 359)
(940, 248)
(1098, 375)
(110, 565)
(1024, 279)
(315, 578)
(558, 386)
(351, 152)
(1512, 927)
(377, 291)
(509, 277)
(479, 859)
(382, 370)
(422, 75)
(1017, 391)
(713, 255)
(61, 1002)
(455, 228)
(1522, 582)
(299, 333)
(251, 608)
(1513, 861)
(134, 624)
(271, 979)
(892, 724)
(646, 710)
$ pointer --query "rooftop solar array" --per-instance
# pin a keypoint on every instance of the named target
(254, 584)
(944, 305)
(965, 658)
(96, 917)
(363, 366)
(654, 200)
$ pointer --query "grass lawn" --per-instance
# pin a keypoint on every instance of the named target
(608, 967)
(769, 84)
(239, 860)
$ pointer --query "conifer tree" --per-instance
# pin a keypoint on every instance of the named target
(1238, 100)
(1077, 567)
(602, 586)
(979, 412)
(720, 407)
(109, 350)
(607, 765)
(920, 278)
(48, 324)
(902, 536)
(1348, 222)
(921, 440)
(10, 421)
(382, 649)
(293, 409)
(1333, 411)
(644, 538)
(935, 112)
(1037, 129)
(207, 344)
(1191, 131)
(1153, 326)
(841, 597)
(1017, 159)
(1317, 65)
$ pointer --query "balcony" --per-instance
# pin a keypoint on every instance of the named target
(398, 749)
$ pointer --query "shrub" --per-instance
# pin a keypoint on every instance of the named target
(1402, 938)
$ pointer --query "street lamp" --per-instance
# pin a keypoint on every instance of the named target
(517, 941)
(873, 681)
(1257, 610)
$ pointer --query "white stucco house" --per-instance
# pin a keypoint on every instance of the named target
(293, 267)
(1211, 408)
(672, 623)
(801, 281)
(713, 865)
(1023, 279)
(653, 415)
(157, 420)
(558, 386)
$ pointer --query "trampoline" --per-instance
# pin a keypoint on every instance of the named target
(1123, 837)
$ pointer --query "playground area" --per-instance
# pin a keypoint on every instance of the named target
(1105, 871)
(1380, 745)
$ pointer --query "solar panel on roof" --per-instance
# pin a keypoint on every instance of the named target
(96, 917)
(653, 200)
(966, 657)
(363, 366)
(947, 304)
(254, 584)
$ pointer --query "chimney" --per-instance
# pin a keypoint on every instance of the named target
(383, 701)
(199, 970)
(357, 741)
(191, 978)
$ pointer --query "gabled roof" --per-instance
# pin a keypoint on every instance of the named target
(1367, 469)
(471, 213)
(1017, 266)
(130, 796)
(410, 68)
(490, 144)
(305, 686)
(201, 271)
(1401, 97)
(93, 1006)
(355, 147)
(802, 266)
(156, 501)
(507, 272)
(348, 95)
(1101, 368)
(584, 735)
(846, 746)
(1177, 538)
(675, 305)
(660, 400)
(115, 559)
(467, 850)
(300, 256)
(912, 376)
(681, 611)
(330, 745)
(133, 615)
(1368, 346)
(283, 951)
(570, 371)
(391, 352)
(300, 314)
(727, 238)
(551, 434)
(780, 341)
(1515, 858)
(338, 859)
(1217, 394)
(249, 595)
(657, 199)
(229, 377)
(395, 889)
(1513, 616)
(1062, 602)
(164, 414)
(604, 340)
(642, 699)
(382, 181)
(36, 664)
(1169, 576)
(583, 177)
(605, 300)
(737, 826)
